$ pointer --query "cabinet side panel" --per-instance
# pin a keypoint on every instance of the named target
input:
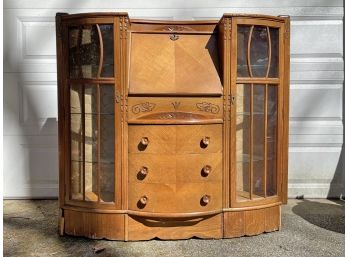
(234, 224)
(284, 189)
(251, 222)
(61, 80)
(94, 225)
(272, 218)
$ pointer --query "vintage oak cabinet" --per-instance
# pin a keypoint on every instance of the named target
(172, 129)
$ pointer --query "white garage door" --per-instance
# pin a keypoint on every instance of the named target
(316, 99)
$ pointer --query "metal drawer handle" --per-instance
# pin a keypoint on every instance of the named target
(144, 171)
(143, 200)
(205, 142)
(205, 199)
(145, 141)
(206, 170)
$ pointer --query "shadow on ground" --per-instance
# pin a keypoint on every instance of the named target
(329, 216)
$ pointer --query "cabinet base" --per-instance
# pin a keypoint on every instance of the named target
(126, 227)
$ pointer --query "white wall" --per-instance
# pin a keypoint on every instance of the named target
(316, 105)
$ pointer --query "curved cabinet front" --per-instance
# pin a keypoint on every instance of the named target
(171, 129)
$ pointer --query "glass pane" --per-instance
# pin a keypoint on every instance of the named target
(108, 46)
(243, 141)
(95, 153)
(258, 140)
(107, 156)
(273, 72)
(259, 51)
(76, 137)
(90, 92)
(107, 143)
(89, 51)
(74, 35)
(83, 51)
(272, 113)
(242, 50)
(106, 99)
(75, 98)
(107, 186)
(91, 182)
(91, 130)
(76, 187)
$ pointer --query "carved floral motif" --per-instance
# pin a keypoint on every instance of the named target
(143, 107)
(208, 107)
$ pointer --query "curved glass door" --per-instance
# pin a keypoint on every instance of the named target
(257, 103)
(92, 113)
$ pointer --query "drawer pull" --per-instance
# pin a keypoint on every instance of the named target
(145, 141)
(144, 170)
(142, 173)
(205, 199)
(143, 200)
(206, 170)
(205, 142)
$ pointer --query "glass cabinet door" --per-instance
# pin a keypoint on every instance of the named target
(92, 142)
(92, 113)
(256, 114)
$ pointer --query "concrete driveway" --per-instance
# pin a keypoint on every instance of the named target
(309, 228)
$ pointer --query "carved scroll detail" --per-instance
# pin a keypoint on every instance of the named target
(177, 28)
(143, 107)
(208, 107)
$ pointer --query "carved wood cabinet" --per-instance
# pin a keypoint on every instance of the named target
(172, 129)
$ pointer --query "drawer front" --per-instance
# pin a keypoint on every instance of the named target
(160, 168)
(199, 168)
(189, 139)
(170, 139)
(161, 139)
(148, 107)
(175, 198)
(165, 168)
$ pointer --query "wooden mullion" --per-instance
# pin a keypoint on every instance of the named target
(98, 141)
(233, 94)
(115, 24)
(258, 80)
(251, 145)
(269, 52)
(101, 51)
(92, 81)
(265, 153)
(248, 51)
(83, 125)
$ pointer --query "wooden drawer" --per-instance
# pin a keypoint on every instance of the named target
(175, 198)
(167, 168)
(167, 108)
(161, 168)
(162, 139)
(189, 138)
(170, 139)
(190, 167)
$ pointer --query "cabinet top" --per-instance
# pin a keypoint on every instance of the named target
(66, 16)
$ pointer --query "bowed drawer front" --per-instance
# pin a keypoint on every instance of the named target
(175, 168)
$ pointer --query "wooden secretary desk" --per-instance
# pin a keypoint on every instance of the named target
(172, 129)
